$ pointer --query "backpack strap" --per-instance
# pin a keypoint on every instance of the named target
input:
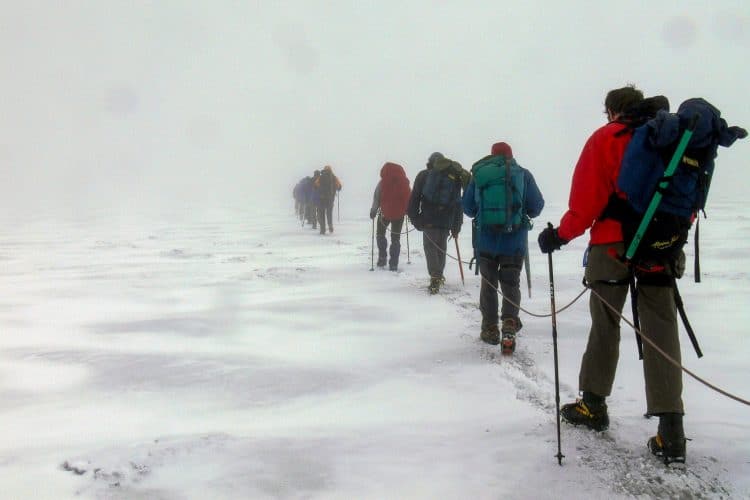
(508, 197)
(636, 319)
(685, 322)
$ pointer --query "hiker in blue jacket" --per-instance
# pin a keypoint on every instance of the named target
(500, 251)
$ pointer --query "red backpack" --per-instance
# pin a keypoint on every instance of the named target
(394, 191)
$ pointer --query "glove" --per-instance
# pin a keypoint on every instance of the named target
(738, 132)
(454, 233)
(549, 240)
(373, 213)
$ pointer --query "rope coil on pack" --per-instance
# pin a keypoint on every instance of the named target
(618, 313)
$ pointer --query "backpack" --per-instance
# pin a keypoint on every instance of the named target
(442, 187)
(326, 188)
(500, 191)
(394, 191)
(642, 171)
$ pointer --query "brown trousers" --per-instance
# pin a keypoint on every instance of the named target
(658, 317)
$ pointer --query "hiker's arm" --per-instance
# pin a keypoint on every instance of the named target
(416, 197)
(469, 202)
(591, 186)
(375, 201)
(534, 198)
(458, 217)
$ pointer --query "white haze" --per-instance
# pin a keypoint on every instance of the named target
(118, 106)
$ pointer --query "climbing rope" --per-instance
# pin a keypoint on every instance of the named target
(626, 320)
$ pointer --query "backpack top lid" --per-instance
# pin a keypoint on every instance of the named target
(452, 168)
(495, 160)
(392, 170)
(710, 130)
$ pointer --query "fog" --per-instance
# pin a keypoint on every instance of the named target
(128, 105)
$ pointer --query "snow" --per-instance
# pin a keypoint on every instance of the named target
(228, 353)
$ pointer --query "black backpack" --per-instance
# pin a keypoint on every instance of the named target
(326, 188)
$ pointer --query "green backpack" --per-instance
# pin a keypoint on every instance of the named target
(500, 193)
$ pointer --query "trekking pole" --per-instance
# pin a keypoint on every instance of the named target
(338, 206)
(554, 344)
(372, 247)
(663, 185)
(460, 264)
(408, 253)
(526, 264)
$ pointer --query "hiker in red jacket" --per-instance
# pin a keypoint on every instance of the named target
(594, 182)
(392, 198)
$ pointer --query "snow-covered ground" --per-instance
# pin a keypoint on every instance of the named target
(235, 354)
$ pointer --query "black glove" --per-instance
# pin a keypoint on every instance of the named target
(454, 234)
(549, 240)
(738, 132)
(373, 213)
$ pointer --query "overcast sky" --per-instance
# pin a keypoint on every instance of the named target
(127, 103)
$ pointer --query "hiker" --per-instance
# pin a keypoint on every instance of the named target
(592, 186)
(299, 198)
(391, 197)
(326, 187)
(435, 209)
(313, 200)
(501, 226)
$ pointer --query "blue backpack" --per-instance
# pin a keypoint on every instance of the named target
(442, 187)
(643, 167)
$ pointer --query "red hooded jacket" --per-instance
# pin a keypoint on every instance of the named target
(594, 180)
(394, 191)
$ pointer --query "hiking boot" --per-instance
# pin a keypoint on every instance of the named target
(381, 261)
(330, 229)
(434, 286)
(490, 335)
(510, 325)
(508, 343)
(592, 415)
(393, 268)
(669, 444)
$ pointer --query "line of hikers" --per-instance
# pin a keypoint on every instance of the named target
(639, 184)
(314, 197)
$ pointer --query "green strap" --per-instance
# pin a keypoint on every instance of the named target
(676, 157)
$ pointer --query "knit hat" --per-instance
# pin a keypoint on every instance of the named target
(502, 148)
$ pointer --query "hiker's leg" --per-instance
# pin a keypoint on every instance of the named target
(329, 214)
(396, 227)
(510, 285)
(658, 316)
(431, 245)
(609, 278)
(443, 244)
(322, 218)
(381, 225)
(488, 301)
